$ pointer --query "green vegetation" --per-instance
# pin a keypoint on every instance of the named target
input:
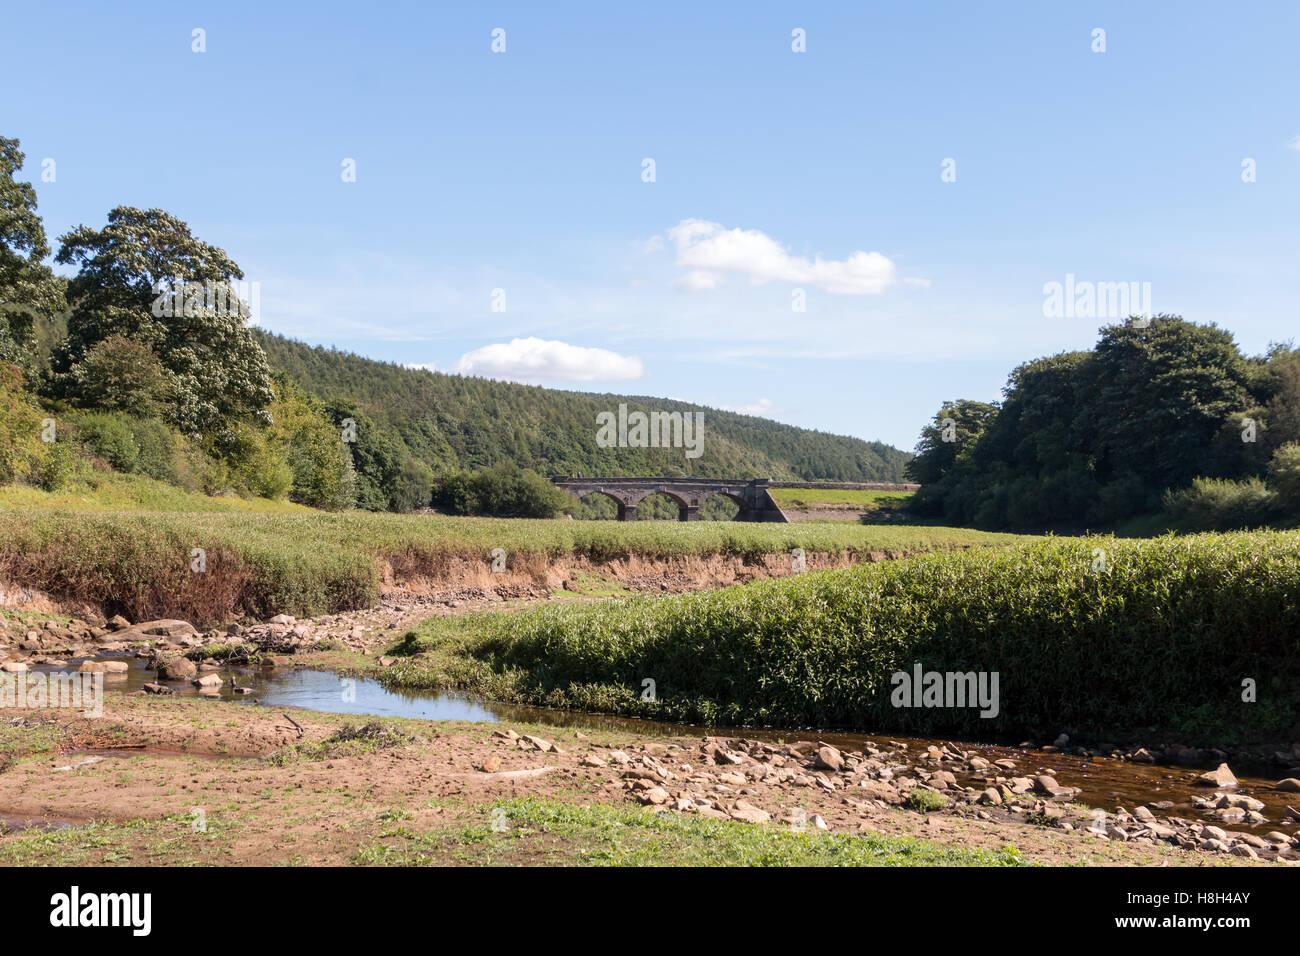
(1099, 635)
(600, 835)
(503, 491)
(1098, 438)
(450, 423)
(315, 562)
(925, 801)
(853, 498)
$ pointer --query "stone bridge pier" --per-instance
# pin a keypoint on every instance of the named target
(751, 496)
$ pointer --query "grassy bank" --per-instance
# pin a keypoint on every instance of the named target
(308, 562)
(1099, 635)
(848, 499)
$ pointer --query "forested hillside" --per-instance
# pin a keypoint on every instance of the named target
(451, 421)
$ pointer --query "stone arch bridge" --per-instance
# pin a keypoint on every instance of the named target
(689, 493)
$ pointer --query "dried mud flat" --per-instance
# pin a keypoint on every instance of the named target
(178, 781)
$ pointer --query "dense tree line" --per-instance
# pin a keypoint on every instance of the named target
(456, 422)
(1160, 415)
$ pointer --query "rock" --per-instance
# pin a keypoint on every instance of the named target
(14, 667)
(283, 619)
(1239, 801)
(1145, 815)
(828, 758)
(748, 813)
(1047, 785)
(655, 795)
(817, 822)
(208, 681)
(103, 667)
(491, 765)
(118, 623)
(591, 760)
(164, 627)
(538, 743)
(387, 661)
(942, 780)
(506, 734)
(1221, 776)
(991, 797)
(1062, 740)
(152, 688)
(1290, 784)
(176, 668)
(1143, 756)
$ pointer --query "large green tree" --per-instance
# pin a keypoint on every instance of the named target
(28, 289)
(144, 276)
(1097, 437)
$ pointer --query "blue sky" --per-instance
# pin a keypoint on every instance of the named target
(775, 171)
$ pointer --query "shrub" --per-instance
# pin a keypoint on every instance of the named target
(1162, 637)
(1216, 504)
(111, 437)
(1284, 478)
(23, 455)
(505, 491)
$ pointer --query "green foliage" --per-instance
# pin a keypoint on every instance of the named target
(111, 437)
(313, 449)
(1284, 478)
(505, 491)
(453, 423)
(1163, 634)
(118, 374)
(1099, 436)
(255, 464)
(28, 289)
(146, 278)
(925, 801)
(23, 456)
(1217, 504)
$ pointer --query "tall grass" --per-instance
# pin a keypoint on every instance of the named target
(1164, 636)
(139, 563)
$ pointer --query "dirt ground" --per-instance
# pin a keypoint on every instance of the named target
(172, 781)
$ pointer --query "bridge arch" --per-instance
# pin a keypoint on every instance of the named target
(620, 502)
(751, 497)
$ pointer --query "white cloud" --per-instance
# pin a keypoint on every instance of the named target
(427, 366)
(760, 406)
(1295, 142)
(535, 360)
(710, 251)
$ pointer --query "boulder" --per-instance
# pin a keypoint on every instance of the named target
(176, 668)
(208, 682)
(828, 758)
(1290, 784)
(1220, 776)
